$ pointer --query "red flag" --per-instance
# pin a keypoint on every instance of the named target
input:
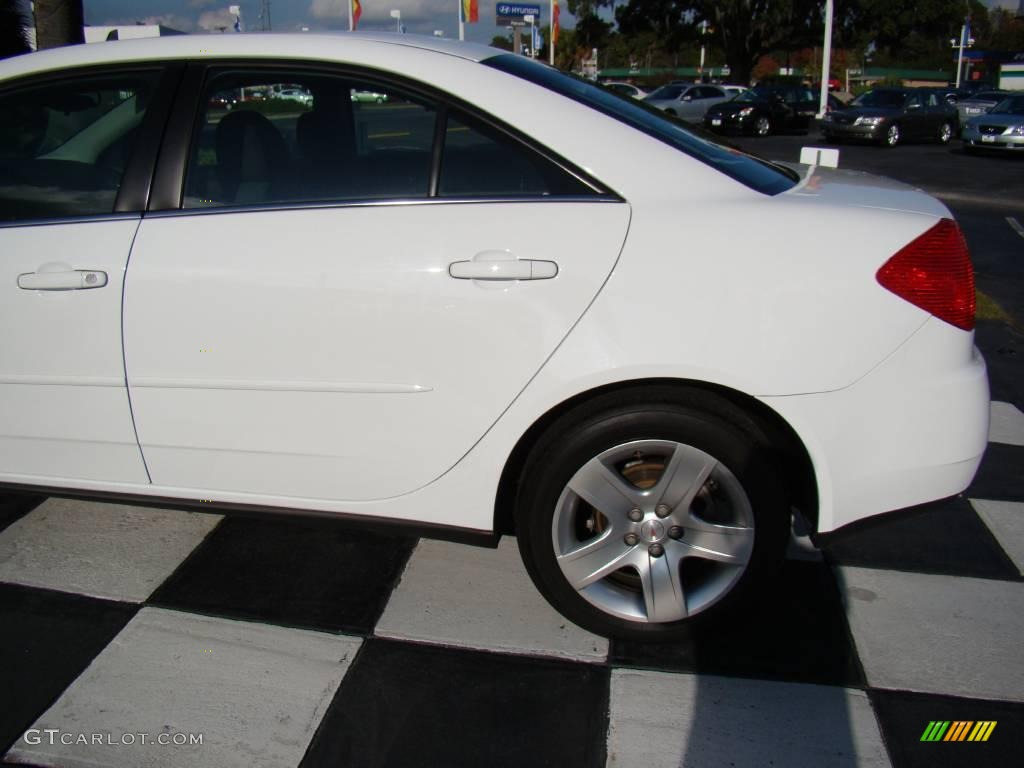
(470, 11)
(357, 11)
(554, 23)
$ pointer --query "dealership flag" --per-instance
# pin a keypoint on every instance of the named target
(470, 11)
(357, 11)
(555, 11)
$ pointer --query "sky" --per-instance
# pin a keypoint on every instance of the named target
(419, 16)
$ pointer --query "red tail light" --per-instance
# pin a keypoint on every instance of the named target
(934, 273)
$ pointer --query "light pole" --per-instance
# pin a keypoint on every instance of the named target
(397, 16)
(826, 57)
(965, 41)
(703, 31)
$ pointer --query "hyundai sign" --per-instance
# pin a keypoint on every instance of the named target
(512, 14)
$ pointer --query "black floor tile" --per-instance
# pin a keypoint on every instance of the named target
(905, 716)
(403, 704)
(48, 639)
(1003, 349)
(16, 505)
(1001, 475)
(945, 537)
(304, 573)
(794, 629)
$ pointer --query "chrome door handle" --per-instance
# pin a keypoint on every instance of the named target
(503, 269)
(65, 280)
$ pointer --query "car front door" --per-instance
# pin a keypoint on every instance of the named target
(915, 117)
(351, 293)
(76, 155)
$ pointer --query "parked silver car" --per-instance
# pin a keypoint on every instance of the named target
(688, 102)
(1001, 128)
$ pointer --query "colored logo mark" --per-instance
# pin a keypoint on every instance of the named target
(958, 730)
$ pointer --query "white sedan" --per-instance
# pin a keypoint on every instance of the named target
(502, 305)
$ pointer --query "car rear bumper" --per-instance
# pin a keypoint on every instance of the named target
(913, 430)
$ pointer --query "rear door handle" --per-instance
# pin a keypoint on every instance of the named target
(503, 269)
(65, 280)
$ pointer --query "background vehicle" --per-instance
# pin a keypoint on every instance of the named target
(369, 96)
(687, 102)
(979, 103)
(889, 116)
(1002, 128)
(295, 94)
(764, 109)
(374, 328)
(626, 89)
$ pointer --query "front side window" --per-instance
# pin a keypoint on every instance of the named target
(64, 146)
(283, 137)
(755, 173)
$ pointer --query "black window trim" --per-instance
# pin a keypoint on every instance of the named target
(167, 197)
(133, 193)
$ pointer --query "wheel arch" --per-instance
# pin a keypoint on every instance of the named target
(798, 470)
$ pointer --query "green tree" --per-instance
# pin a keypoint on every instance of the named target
(13, 32)
(58, 22)
(746, 30)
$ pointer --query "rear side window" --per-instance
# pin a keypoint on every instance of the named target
(480, 161)
(64, 146)
(758, 174)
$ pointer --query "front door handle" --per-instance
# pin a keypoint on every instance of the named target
(503, 269)
(64, 280)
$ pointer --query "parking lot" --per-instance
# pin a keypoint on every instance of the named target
(290, 642)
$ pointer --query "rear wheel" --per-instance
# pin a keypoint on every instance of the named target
(638, 521)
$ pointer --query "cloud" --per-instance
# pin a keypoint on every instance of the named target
(172, 20)
(212, 21)
(200, 3)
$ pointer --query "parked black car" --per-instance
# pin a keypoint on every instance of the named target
(765, 109)
(893, 115)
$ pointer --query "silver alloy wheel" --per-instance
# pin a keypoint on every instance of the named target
(762, 126)
(945, 133)
(653, 531)
(892, 135)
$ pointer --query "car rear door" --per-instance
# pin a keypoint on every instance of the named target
(350, 293)
(76, 157)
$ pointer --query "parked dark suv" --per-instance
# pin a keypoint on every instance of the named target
(890, 116)
(764, 109)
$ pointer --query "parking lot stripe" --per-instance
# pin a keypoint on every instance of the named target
(1006, 424)
(1015, 225)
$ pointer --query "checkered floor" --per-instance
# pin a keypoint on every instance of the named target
(294, 642)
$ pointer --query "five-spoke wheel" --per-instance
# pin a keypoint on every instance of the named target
(637, 520)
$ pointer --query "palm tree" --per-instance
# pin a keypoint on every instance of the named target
(13, 31)
(58, 22)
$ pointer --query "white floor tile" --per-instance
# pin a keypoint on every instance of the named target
(1007, 424)
(662, 719)
(255, 693)
(1006, 521)
(480, 598)
(937, 634)
(113, 551)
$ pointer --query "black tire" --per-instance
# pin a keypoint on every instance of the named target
(891, 136)
(695, 420)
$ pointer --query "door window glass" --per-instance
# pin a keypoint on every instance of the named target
(64, 146)
(266, 137)
(481, 161)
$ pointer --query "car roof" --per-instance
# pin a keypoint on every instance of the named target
(325, 46)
